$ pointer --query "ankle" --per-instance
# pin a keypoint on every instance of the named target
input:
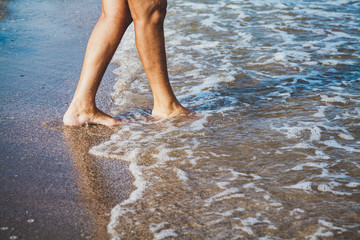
(165, 106)
(82, 106)
(167, 110)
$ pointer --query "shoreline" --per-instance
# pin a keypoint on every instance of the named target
(52, 188)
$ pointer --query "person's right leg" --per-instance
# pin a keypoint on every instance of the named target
(108, 31)
(148, 17)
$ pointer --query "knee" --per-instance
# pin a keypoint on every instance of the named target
(153, 12)
(116, 16)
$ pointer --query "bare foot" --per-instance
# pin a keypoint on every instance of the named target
(180, 110)
(77, 117)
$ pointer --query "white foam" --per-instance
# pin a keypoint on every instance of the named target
(280, 5)
(321, 232)
(324, 188)
(199, 124)
(346, 136)
(231, 212)
(352, 184)
(306, 186)
(329, 188)
(296, 211)
(245, 37)
(222, 184)
(211, 82)
(320, 113)
(226, 194)
(315, 133)
(331, 226)
(235, 174)
(302, 145)
(252, 185)
(335, 144)
(309, 164)
(296, 131)
(246, 229)
(335, 99)
(250, 221)
(181, 174)
(160, 233)
(195, 6)
(165, 233)
(120, 209)
(337, 88)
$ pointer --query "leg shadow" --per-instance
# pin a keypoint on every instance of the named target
(102, 182)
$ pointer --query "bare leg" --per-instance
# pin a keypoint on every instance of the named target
(148, 16)
(108, 31)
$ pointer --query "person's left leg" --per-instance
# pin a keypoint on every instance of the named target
(105, 38)
(148, 17)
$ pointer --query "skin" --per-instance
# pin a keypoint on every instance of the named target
(116, 15)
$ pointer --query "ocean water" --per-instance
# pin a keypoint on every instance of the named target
(275, 150)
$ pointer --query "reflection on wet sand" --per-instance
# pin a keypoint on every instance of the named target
(3, 9)
(102, 182)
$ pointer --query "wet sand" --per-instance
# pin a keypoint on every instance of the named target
(3, 9)
(51, 188)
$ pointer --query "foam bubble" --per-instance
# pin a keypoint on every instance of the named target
(352, 184)
(306, 186)
(296, 211)
(320, 113)
(346, 136)
(181, 174)
(324, 188)
(335, 99)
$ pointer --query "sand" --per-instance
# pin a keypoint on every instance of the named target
(51, 187)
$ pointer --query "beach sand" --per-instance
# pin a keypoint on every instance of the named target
(51, 188)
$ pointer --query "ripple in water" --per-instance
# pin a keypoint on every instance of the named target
(275, 153)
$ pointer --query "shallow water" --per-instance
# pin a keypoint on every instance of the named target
(274, 152)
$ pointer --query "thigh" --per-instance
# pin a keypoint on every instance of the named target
(115, 8)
